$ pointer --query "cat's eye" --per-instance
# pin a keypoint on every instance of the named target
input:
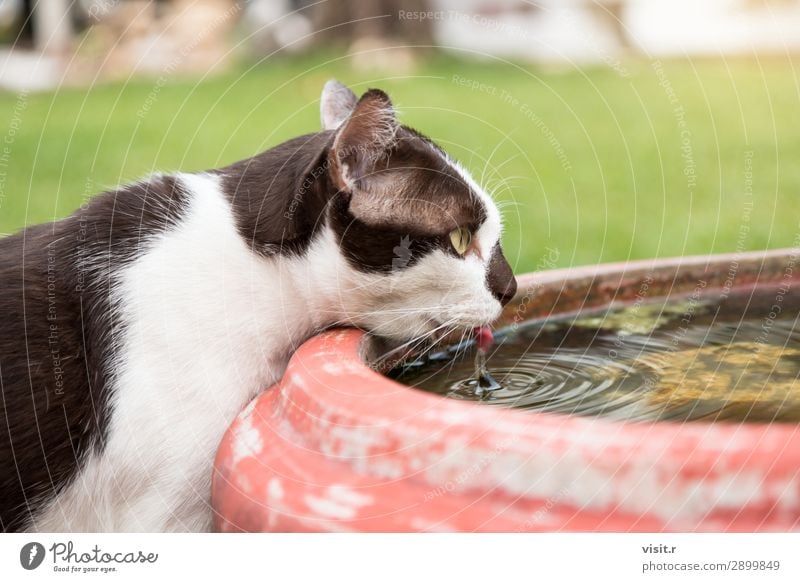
(460, 237)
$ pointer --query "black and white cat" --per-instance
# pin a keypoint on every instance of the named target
(136, 329)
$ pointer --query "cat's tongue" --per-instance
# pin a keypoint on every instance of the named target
(484, 338)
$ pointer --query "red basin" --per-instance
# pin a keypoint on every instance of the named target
(336, 446)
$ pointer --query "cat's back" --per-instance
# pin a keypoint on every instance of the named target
(46, 407)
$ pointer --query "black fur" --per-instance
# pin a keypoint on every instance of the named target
(279, 196)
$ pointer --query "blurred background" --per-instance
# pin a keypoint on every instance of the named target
(608, 130)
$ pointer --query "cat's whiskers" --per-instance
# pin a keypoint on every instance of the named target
(349, 320)
(398, 311)
(496, 171)
(506, 203)
(508, 160)
(503, 187)
(411, 310)
(502, 183)
(421, 325)
(491, 155)
(433, 345)
(412, 344)
(460, 348)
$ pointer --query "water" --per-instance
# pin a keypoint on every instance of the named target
(737, 359)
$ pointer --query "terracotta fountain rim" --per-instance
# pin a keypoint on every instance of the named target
(336, 432)
(335, 363)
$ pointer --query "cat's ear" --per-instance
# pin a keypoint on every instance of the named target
(336, 104)
(363, 139)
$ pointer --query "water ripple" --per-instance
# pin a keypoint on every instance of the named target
(730, 361)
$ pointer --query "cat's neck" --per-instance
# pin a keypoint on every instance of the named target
(279, 201)
(319, 280)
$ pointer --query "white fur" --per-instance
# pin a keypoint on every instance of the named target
(206, 325)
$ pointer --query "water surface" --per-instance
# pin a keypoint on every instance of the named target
(704, 357)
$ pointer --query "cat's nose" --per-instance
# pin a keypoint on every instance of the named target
(500, 277)
(507, 293)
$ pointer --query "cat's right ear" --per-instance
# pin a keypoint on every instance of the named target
(336, 104)
(363, 139)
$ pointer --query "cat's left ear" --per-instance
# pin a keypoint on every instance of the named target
(336, 104)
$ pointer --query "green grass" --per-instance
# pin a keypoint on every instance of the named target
(591, 159)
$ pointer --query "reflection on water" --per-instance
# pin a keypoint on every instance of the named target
(735, 359)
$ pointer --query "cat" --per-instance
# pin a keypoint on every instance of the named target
(137, 328)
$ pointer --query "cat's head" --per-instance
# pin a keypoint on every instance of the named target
(420, 237)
